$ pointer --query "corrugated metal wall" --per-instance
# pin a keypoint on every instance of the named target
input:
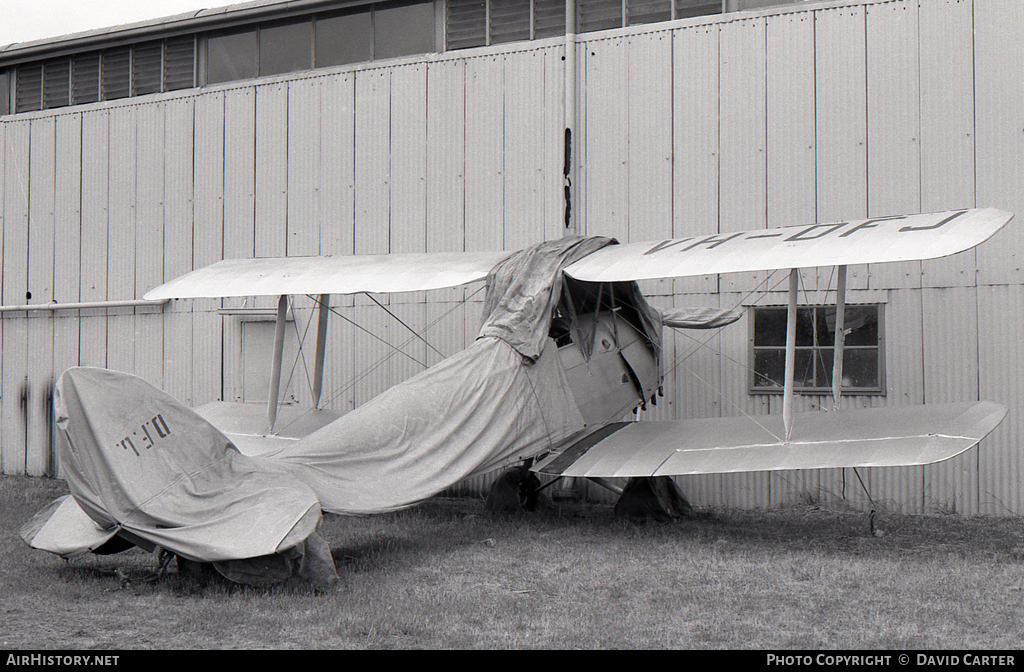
(813, 112)
(820, 113)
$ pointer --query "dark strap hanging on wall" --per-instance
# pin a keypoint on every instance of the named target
(568, 181)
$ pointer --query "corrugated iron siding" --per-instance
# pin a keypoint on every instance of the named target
(700, 126)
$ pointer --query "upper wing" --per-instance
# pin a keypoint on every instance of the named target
(876, 437)
(883, 239)
(330, 275)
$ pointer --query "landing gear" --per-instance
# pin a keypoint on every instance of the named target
(655, 498)
(516, 489)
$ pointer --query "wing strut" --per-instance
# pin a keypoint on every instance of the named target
(275, 372)
(840, 338)
(787, 397)
(322, 313)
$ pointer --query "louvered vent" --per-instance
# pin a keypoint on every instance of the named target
(29, 93)
(56, 82)
(647, 11)
(465, 24)
(689, 8)
(510, 20)
(598, 15)
(85, 78)
(179, 63)
(116, 71)
(146, 62)
(548, 18)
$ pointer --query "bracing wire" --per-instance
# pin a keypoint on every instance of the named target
(383, 360)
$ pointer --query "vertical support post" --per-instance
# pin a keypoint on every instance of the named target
(275, 372)
(569, 115)
(840, 338)
(323, 311)
(787, 398)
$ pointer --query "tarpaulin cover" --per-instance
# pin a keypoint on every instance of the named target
(699, 318)
(478, 410)
(140, 462)
(63, 528)
(502, 398)
(523, 290)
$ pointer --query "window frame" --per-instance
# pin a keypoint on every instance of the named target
(752, 350)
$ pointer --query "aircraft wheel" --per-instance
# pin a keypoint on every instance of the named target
(513, 491)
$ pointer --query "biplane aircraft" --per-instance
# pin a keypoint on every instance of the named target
(568, 348)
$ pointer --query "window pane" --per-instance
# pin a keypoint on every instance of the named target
(862, 325)
(770, 326)
(5, 93)
(114, 72)
(146, 66)
(860, 369)
(57, 83)
(29, 95)
(179, 63)
(344, 39)
(687, 8)
(770, 369)
(510, 20)
(286, 48)
(548, 18)
(231, 56)
(647, 11)
(598, 15)
(85, 78)
(400, 31)
(466, 23)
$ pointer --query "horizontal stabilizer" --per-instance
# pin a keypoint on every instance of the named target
(341, 274)
(246, 424)
(65, 529)
(875, 437)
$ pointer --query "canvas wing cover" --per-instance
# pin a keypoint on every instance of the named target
(876, 437)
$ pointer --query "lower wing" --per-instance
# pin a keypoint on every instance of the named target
(876, 437)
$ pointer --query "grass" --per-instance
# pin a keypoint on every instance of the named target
(449, 575)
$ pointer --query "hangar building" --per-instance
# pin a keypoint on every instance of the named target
(133, 154)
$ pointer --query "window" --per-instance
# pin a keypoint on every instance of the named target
(863, 365)
(286, 48)
(345, 38)
(403, 30)
(5, 93)
(231, 56)
(372, 32)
